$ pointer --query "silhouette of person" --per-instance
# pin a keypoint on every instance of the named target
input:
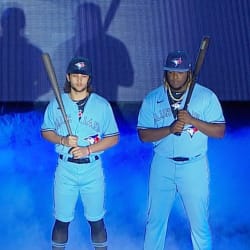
(111, 62)
(108, 54)
(22, 74)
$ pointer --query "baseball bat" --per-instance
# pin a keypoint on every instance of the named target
(198, 64)
(54, 84)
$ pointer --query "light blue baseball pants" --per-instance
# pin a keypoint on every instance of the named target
(190, 180)
(74, 180)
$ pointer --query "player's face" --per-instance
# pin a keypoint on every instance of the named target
(177, 80)
(78, 82)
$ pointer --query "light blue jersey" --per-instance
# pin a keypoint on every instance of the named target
(156, 112)
(179, 165)
(71, 179)
(97, 121)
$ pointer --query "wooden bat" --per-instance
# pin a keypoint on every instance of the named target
(199, 61)
(54, 84)
(197, 68)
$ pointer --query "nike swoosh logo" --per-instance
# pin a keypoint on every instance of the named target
(159, 101)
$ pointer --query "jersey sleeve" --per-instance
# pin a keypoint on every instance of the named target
(145, 117)
(214, 111)
(110, 127)
(48, 120)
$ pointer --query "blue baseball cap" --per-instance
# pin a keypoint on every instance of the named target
(79, 65)
(177, 61)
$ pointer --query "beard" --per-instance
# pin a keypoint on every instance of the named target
(177, 89)
(183, 86)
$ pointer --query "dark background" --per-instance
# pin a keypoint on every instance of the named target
(127, 42)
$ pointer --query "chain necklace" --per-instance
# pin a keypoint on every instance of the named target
(175, 98)
(172, 95)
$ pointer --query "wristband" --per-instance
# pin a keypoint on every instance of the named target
(89, 151)
(61, 140)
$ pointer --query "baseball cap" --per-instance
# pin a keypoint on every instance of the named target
(177, 61)
(79, 65)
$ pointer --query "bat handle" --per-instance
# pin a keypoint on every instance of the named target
(177, 133)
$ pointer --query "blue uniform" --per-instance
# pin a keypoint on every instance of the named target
(72, 179)
(189, 176)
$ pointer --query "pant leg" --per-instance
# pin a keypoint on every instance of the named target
(65, 191)
(193, 186)
(92, 191)
(162, 191)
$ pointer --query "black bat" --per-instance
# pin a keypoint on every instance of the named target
(54, 84)
(197, 68)
(199, 62)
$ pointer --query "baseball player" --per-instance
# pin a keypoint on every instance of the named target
(79, 169)
(179, 165)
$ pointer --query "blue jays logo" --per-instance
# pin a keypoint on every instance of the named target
(93, 139)
(192, 130)
(80, 65)
(177, 61)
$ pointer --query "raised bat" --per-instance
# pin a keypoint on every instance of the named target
(199, 62)
(197, 68)
(54, 84)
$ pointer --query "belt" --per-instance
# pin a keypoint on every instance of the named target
(180, 159)
(80, 161)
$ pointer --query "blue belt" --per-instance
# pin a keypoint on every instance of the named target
(80, 161)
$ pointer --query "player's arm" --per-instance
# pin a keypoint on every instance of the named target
(52, 136)
(155, 134)
(105, 143)
(216, 130)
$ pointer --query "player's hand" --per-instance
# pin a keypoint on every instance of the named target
(184, 116)
(79, 152)
(70, 141)
(176, 127)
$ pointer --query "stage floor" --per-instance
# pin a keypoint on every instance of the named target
(27, 165)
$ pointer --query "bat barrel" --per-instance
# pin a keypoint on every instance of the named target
(54, 84)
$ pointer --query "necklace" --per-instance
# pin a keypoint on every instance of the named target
(172, 95)
(81, 104)
(175, 98)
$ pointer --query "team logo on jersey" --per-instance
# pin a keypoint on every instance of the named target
(177, 61)
(192, 130)
(93, 139)
(80, 65)
(176, 105)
